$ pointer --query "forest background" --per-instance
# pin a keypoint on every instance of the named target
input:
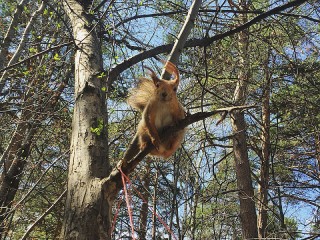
(254, 175)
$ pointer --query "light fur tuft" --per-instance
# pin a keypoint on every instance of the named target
(140, 96)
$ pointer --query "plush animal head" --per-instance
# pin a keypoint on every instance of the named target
(166, 90)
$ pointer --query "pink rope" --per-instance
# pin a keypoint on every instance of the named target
(116, 215)
(128, 203)
(150, 208)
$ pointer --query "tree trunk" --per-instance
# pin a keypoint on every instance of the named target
(87, 213)
(154, 217)
(15, 157)
(248, 215)
(265, 156)
(145, 204)
(5, 44)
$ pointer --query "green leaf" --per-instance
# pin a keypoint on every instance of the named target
(101, 75)
(98, 130)
(56, 57)
(26, 73)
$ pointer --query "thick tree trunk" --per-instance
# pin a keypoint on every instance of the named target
(87, 213)
(248, 215)
(265, 156)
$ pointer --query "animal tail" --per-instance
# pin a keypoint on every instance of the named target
(140, 96)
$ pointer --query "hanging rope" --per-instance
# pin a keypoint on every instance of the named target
(116, 214)
(128, 201)
(126, 179)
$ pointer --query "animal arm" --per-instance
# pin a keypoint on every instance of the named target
(150, 119)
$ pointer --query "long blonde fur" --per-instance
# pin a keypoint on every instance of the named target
(139, 96)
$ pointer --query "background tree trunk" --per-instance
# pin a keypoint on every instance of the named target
(145, 204)
(265, 156)
(248, 215)
(87, 214)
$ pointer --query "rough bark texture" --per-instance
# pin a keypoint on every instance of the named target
(248, 216)
(87, 213)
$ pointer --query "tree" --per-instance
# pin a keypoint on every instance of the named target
(248, 216)
(199, 180)
(87, 215)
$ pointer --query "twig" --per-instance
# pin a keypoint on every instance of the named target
(133, 156)
(43, 215)
(114, 72)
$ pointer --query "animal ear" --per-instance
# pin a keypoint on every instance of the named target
(153, 76)
(172, 69)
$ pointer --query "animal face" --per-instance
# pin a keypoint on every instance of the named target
(166, 89)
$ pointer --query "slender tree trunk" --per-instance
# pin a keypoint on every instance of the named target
(174, 206)
(14, 158)
(154, 218)
(194, 207)
(87, 212)
(10, 33)
(145, 204)
(248, 215)
(265, 156)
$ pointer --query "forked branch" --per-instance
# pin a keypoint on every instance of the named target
(133, 156)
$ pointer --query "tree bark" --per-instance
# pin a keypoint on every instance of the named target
(154, 203)
(87, 212)
(265, 156)
(145, 203)
(248, 216)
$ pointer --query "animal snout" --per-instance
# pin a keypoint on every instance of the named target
(164, 94)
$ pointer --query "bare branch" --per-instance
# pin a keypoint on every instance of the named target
(183, 35)
(43, 215)
(133, 156)
(115, 71)
(9, 35)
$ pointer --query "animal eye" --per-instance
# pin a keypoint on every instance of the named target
(157, 85)
(175, 89)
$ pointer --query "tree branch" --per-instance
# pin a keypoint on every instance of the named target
(36, 55)
(183, 35)
(133, 156)
(115, 71)
(26, 234)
